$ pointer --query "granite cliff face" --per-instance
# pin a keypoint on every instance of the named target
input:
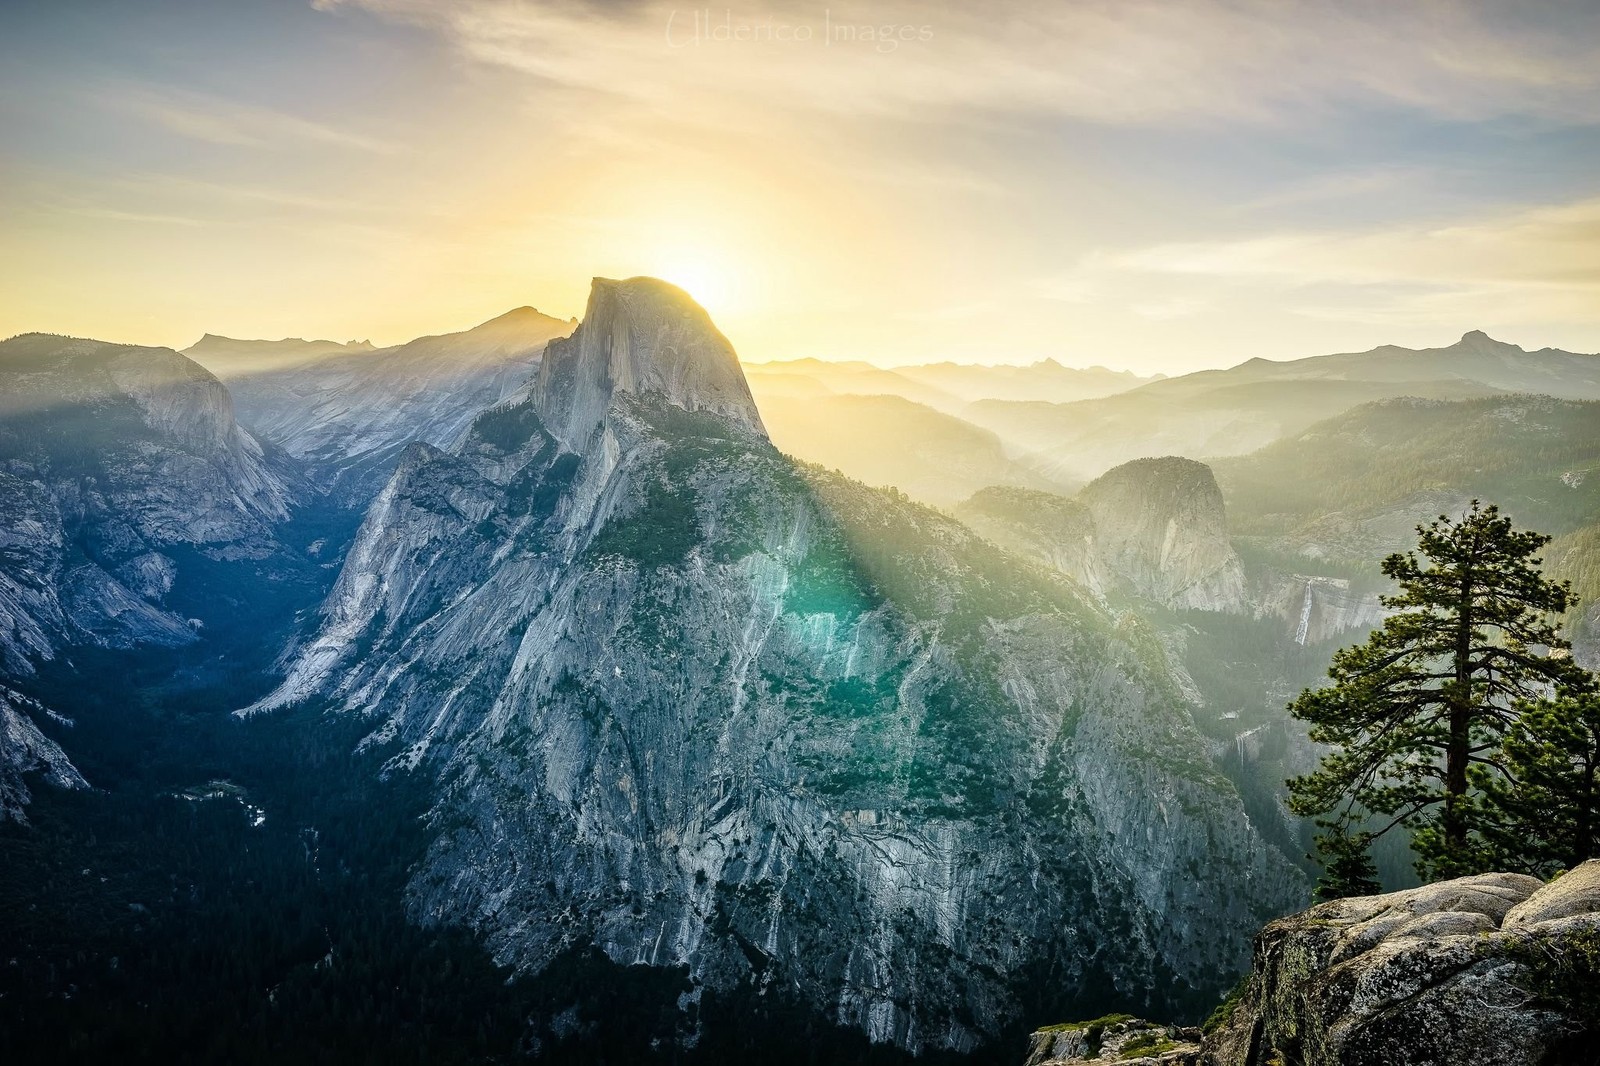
(647, 339)
(347, 411)
(114, 459)
(1497, 970)
(685, 702)
(26, 752)
(120, 468)
(1162, 529)
(1153, 530)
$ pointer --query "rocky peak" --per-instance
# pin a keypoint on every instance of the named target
(1152, 529)
(521, 324)
(646, 338)
(1478, 340)
(1160, 525)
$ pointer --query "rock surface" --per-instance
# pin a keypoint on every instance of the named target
(25, 752)
(112, 460)
(1152, 529)
(691, 705)
(1492, 970)
(1162, 529)
(349, 410)
(644, 338)
(121, 470)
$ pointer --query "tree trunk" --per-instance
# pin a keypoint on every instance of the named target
(1583, 826)
(1458, 750)
(1455, 783)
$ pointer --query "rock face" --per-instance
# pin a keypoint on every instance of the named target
(349, 410)
(689, 704)
(113, 460)
(1055, 529)
(644, 338)
(1152, 529)
(24, 752)
(1316, 609)
(1162, 529)
(121, 470)
(1497, 970)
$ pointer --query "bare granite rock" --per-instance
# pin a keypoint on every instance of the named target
(24, 752)
(1490, 970)
(349, 410)
(111, 459)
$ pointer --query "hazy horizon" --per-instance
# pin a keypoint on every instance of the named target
(910, 359)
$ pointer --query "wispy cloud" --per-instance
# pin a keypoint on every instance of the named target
(226, 122)
(233, 195)
(110, 214)
(1522, 264)
(1338, 186)
(1110, 61)
(1555, 245)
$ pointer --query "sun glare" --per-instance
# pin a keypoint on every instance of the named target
(708, 274)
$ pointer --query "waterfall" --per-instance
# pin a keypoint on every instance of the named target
(1305, 616)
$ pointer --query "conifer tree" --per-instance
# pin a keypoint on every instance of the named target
(1542, 802)
(1431, 694)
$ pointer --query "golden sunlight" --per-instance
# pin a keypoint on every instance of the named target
(709, 274)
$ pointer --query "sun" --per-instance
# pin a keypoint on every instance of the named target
(709, 275)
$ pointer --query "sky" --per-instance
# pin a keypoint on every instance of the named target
(1156, 185)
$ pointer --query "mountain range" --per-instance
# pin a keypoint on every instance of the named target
(691, 693)
(1221, 413)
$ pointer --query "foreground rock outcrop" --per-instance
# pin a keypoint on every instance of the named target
(1497, 970)
(1493, 970)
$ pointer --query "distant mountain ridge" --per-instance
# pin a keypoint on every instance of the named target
(348, 412)
(213, 346)
(1221, 413)
(944, 386)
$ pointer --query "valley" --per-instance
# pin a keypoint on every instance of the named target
(521, 667)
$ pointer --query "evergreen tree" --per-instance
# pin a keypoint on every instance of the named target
(1347, 866)
(1432, 692)
(1543, 806)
